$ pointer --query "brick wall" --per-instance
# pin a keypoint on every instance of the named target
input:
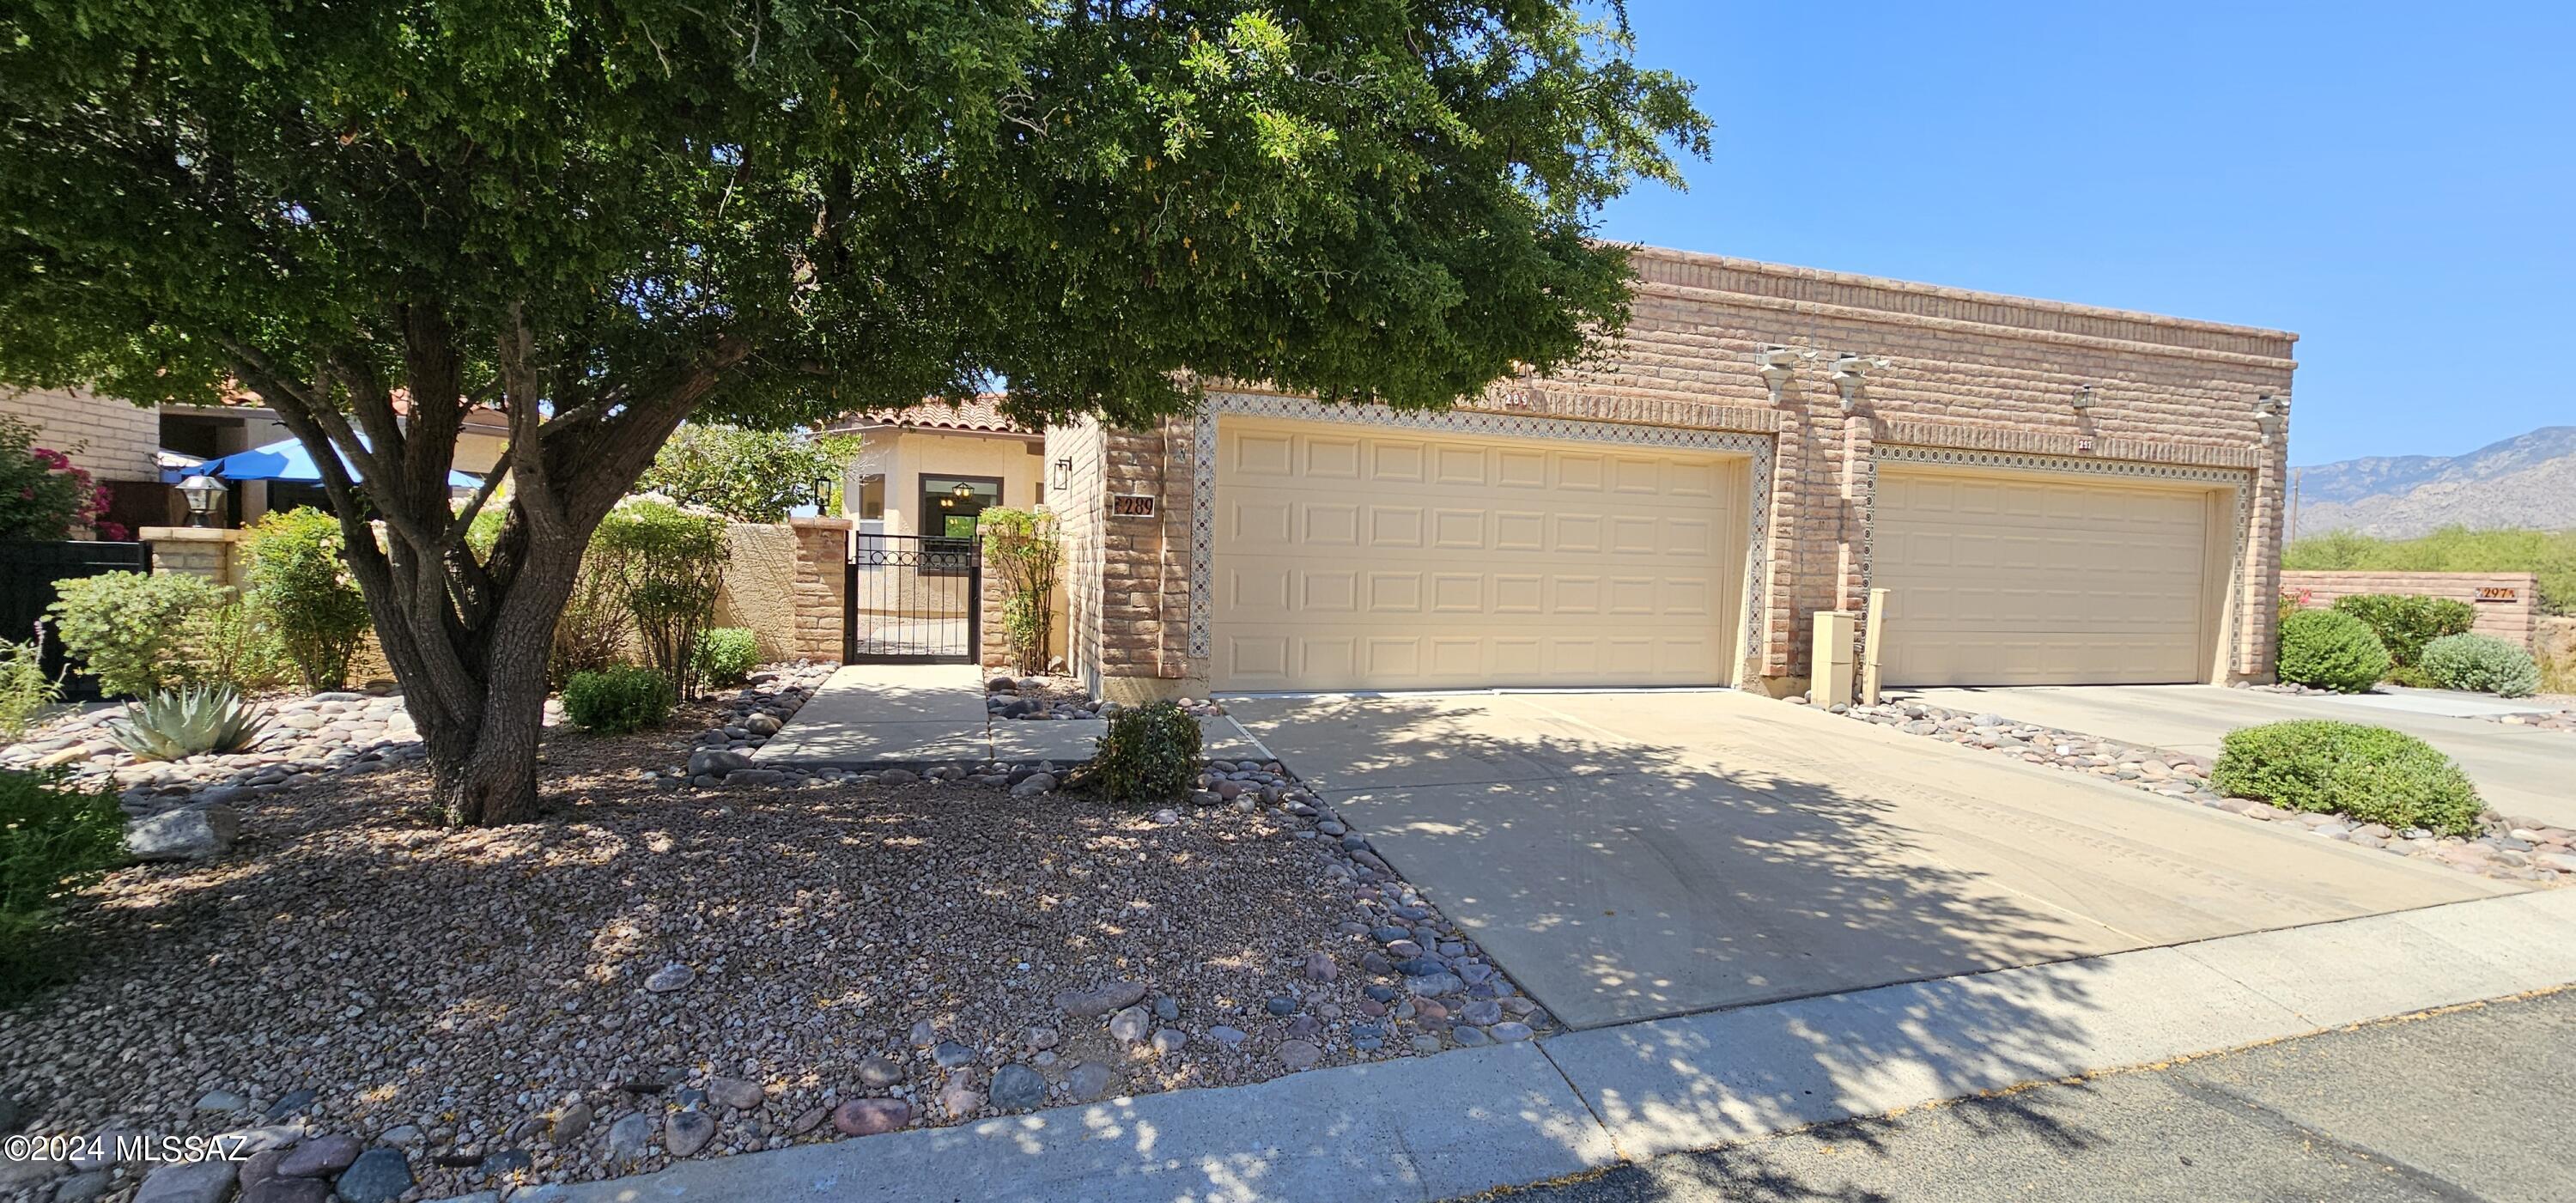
(1080, 512)
(1939, 368)
(2514, 619)
(112, 439)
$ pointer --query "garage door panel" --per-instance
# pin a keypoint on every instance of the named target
(1439, 562)
(1997, 581)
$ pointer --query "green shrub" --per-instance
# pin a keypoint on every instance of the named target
(139, 633)
(619, 700)
(670, 564)
(592, 632)
(2482, 663)
(25, 690)
(300, 587)
(2329, 649)
(179, 723)
(726, 655)
(2406, 623)
(54, 839)
(1150, 754)
(2371, 773)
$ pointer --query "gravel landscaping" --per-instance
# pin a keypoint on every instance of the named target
(2551, 720)
(2512, 849)
(659, 969)
(1062, 698)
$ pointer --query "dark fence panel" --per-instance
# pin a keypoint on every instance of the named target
(28, 572)
(913, 599)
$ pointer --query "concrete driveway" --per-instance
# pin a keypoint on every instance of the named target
(1634, 855)
(2519, 770)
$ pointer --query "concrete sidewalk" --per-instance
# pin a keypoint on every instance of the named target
(2519, 770)
(869, 717)
(1462, 1122)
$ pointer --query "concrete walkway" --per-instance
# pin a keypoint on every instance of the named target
(2521, 771)
(870, 717)
(1627, 855)
(1468, 1121)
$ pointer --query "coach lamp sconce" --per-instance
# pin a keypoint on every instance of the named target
(1849, 376)
(2083, 399)
(1775, 364)
(1060, 477)
(202, 493)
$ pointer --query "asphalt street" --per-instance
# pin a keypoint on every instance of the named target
(2471, 1104)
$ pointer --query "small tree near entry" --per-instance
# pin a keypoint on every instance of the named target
(670, 569)
(746, 475)
(1021, 556)
(602, 219)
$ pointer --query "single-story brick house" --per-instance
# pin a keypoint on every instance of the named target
(2051, 492)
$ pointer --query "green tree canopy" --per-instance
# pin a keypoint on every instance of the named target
(746, 475)
(602, 217)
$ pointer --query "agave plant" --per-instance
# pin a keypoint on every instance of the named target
(178, 723)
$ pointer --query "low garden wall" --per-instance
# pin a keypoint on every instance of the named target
(787, 582)
(2507, 603)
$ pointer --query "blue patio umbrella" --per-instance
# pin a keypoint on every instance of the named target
(287, 460)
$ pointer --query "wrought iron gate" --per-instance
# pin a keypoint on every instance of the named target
(913, 599)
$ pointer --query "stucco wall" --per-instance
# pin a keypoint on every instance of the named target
(2514, 617)
(904, 457)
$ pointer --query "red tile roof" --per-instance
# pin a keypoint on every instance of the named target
(983, 413)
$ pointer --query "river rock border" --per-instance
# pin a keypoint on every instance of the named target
(2511, 849)
(2546, 720)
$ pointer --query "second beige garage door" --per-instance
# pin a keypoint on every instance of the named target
(1355, 559)
(2042, 580)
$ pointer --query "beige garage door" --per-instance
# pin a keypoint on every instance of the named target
(1351, 559)
(2036, 580)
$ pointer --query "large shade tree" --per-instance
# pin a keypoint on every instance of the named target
(604, 216)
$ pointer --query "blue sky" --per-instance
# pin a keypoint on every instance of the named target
(2396, 184)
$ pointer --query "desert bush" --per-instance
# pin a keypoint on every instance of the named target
(619, 700)
(55, 837)
(2550, 554)
(139, 633)
(300, 587)
(670, 567)
(25, 690)
(593, 631)
(2329, 649)
(1021, 557)
(1149, 754)
(2482, 663)
(2371, 773)
(726, 655)
(2405, 623)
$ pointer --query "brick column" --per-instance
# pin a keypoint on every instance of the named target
(822, 585)
(208, 551)
(2260, 601)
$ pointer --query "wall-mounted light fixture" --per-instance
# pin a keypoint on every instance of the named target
(1060, 474)
(1851, 376)
(2083, 399)
(1774, 363)
(2269, 410)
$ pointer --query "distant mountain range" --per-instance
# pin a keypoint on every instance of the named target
(2528, 480)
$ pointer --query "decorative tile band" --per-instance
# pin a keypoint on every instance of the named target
(1465, 421)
